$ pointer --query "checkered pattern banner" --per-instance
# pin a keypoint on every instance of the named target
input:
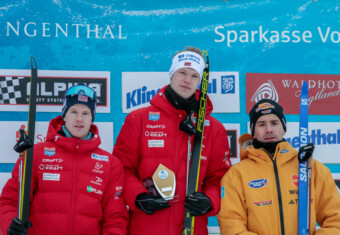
(10, 90)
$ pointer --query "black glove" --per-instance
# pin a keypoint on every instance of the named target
(150, 203)
(305, 152)
(197, 203)
(16, 227)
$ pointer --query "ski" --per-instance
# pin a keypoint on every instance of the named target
(304, 173)
(28, 155)
(189, 221)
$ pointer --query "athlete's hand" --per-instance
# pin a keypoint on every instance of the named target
(305, 152)
(150, 203)
(16, 227)
(197, 203)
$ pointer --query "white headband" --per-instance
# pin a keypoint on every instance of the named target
(187, 59)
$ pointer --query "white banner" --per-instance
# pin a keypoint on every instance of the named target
(138, 88)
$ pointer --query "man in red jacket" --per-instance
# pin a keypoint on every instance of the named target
(163, 134)
(76, 186)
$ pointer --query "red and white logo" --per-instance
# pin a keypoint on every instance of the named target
(324, 91)
(295, 179)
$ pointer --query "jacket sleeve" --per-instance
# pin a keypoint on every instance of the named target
(115, 215)
(327, 203)
(218, 165)
(232, 217)
(9, 200)
(128, 150)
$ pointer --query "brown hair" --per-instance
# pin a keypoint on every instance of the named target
(192, 49)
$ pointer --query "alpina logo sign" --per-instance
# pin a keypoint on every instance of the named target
(324, 91)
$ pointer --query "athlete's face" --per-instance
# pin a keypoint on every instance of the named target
(184, 82)
(78, 120)
(268, 128)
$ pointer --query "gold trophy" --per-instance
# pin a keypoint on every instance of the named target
(165, 182)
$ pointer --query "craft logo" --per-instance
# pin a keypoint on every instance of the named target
(228, 84)
(153, 116)
(49, 151)
(15, 90)
(258, 183)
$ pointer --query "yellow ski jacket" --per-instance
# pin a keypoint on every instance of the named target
(260, 194)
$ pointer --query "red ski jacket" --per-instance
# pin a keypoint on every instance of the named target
(76, 188)
(151, 136)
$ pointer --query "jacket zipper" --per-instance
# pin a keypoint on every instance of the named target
(279, 197)
(278, 188)
(73, 197)
(188, 164)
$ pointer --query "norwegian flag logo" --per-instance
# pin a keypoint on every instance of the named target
(82, 98)
(187, 64)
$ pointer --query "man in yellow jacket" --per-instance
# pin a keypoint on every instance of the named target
(260, 193)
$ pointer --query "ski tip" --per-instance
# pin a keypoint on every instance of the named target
(33, 63)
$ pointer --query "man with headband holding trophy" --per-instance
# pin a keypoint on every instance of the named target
(155, 146)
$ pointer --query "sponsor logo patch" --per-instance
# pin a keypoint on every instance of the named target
(98, 181)
(263, 203)
(258, 183)
(162, 126)
(51, 177)
(49, 151)
(264, 106)
(155, 143)
(154, 116)
(117, 194)
(82, 98)
(90, 189)
(50, 167)
(284, 151)
(55, 160)
(97, 168)
(100, 157)
(295, 179)
(155, 134)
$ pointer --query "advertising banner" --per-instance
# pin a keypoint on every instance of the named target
(138, 88)
(323, 97)
(52, 85)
